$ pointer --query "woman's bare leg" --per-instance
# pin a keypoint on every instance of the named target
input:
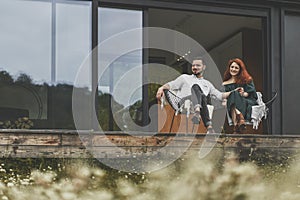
(233, 115)
(240, 120)
(234, 120)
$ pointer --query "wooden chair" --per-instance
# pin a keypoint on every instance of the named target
(259, 112)
(179, 112)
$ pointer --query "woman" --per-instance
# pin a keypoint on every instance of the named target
(243, 95)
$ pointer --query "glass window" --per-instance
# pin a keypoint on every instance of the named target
(73, 38)
(42, 46)
(25, 61)
(26, 39)
(72, 46)
(115, 97)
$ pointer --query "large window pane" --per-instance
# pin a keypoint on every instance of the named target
(112, 97)
(25, 60)
(73, 44)
(42, 45)
(26, 38)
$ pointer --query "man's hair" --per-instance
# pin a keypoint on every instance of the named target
(200, 58)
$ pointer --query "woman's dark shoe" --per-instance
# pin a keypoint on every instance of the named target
(241, 122)
(236, 130)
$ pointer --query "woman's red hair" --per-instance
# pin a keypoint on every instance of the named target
(243, 76)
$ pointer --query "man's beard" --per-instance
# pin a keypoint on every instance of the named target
(197, 73)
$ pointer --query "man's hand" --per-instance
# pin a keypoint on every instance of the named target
(160, 93)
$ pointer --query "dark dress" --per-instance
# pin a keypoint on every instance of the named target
(243, 104)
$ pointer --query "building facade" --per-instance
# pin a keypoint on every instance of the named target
(46, 47)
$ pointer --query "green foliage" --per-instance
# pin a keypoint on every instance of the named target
(24, 79)
(105, 102)
(20, 123)
(6, 77)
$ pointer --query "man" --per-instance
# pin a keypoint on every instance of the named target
(199, 88)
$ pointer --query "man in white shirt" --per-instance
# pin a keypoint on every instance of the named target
(199, 88)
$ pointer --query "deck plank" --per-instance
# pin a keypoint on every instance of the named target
(68, 144)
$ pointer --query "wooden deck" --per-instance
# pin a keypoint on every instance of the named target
(68, 144)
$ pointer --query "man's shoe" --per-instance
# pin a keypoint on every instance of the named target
(210, 131)
(196, 119)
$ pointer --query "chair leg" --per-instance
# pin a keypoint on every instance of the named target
(268, 125)
(187, 125)
(172, 123)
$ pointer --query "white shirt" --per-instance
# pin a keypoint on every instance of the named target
(183, 85)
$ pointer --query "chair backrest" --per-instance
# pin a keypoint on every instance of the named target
(260, 103)
(272, 99)
(177, 102)
(172, 99)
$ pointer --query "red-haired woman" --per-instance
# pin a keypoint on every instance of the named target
(243, 95)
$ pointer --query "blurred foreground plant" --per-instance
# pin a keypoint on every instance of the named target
(212, 178)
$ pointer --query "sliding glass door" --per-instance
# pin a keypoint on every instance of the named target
(231, 36)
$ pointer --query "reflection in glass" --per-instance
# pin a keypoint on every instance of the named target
(25, 62)
(73, 44)
(26, 39)
(31, 96)
(114, 97)
(73, 39)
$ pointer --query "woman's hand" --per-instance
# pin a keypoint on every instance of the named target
(242, 92)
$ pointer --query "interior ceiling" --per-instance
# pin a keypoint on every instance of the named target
(206, 28)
